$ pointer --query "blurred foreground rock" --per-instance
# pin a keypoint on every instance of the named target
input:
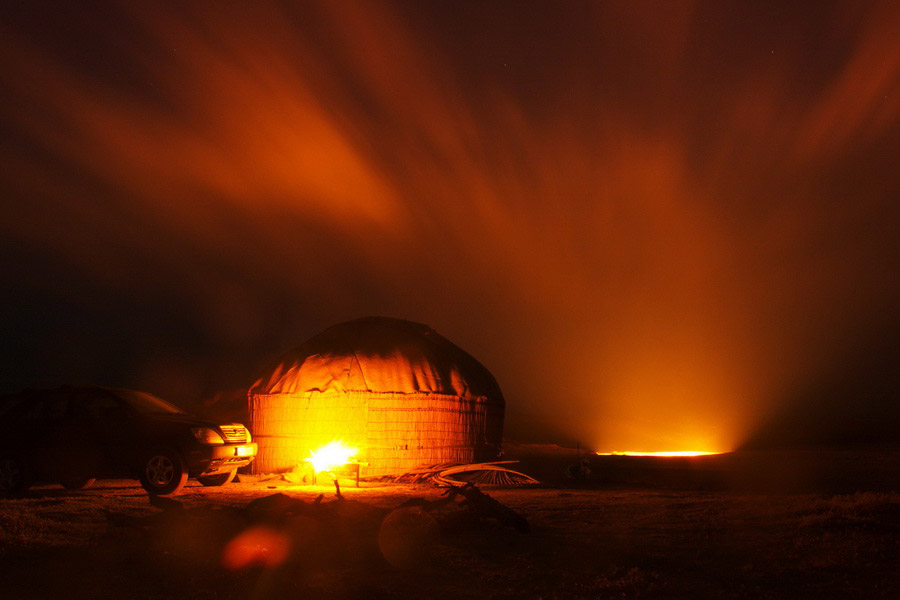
(283, 531)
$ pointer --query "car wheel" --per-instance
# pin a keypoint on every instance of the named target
(163, 473)
(216, 480)
(14, 478)
(77, 483)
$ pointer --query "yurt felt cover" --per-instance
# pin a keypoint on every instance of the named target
(396, 387)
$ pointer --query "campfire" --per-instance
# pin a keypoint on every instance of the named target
(331, 458)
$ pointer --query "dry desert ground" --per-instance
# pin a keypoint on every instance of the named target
(634, 530)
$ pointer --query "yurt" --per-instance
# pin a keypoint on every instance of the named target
(400, 393)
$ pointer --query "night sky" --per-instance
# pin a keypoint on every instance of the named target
(662, 225)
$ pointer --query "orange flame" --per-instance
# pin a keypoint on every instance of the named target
(331, 456)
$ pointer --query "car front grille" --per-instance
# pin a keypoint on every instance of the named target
(234, 434)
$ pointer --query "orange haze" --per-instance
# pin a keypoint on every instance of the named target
(654, 227)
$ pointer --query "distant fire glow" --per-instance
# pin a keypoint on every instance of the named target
(675, 453)
(331, 456)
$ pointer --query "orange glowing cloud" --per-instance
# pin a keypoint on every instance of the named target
(648, 226)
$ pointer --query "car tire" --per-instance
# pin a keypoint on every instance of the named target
(217, 480)
(77, 483)
(163, 472)
(14, 476)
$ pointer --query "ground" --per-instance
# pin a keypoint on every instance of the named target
(593, 539)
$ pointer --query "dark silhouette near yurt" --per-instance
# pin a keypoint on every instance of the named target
(399, 392)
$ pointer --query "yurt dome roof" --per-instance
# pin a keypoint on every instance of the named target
(382, 355)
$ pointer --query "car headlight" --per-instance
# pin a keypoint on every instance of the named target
(205, 435)
(249, 437)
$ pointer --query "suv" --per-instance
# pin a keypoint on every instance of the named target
(76, 434)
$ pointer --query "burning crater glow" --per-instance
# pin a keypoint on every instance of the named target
(673, 453)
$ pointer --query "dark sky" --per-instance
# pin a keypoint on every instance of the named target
(663, 225)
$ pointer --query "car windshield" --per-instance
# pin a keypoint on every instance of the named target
(148, 404)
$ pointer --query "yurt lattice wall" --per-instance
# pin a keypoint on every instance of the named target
(394, 432)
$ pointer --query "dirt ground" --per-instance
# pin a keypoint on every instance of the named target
(594, 539)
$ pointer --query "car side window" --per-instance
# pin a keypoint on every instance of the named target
(97, 407)
(46, 409)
